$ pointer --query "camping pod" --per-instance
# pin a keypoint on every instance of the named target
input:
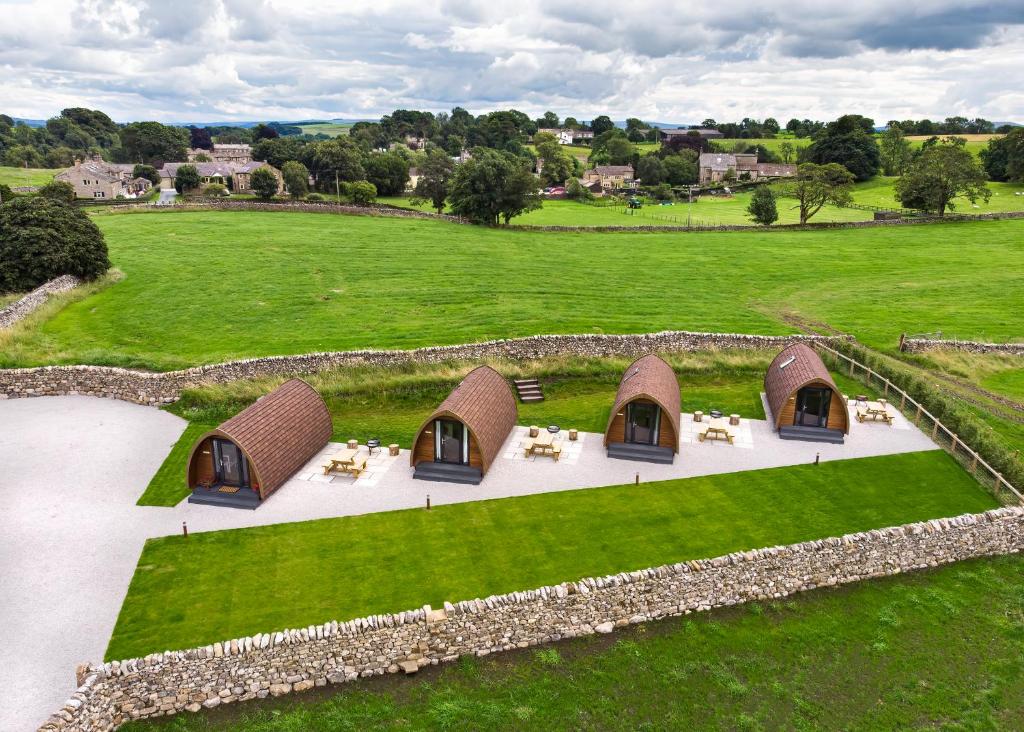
(803, 399)
(251, 455)
(463, 436)
(644, 422)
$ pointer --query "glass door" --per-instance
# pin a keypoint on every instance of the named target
(449, 445)
(642, 423)
(229, 464)
(812, 407)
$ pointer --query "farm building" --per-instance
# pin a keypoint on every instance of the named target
(460, 440)
(250, 456)
(97, 179)
(644, 423)
(803, 399)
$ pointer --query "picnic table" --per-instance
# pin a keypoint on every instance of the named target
(716, 429)
(544, 444)
(875, 411)
(342, 459)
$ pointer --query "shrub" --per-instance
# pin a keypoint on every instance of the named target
(41, 239)
(216, 190)
(264, 183)
(362, 192)
(58, 190)
(186, 179)
(6, 194)
(314, 197)
(148, 172)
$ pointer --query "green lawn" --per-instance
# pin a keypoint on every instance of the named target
(939, 649)
(27, 176)
(879, 192)
(202, 287)
(216, 585)
(333, 129)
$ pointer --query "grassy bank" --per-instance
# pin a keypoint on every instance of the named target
(938, 650)
(215, 585)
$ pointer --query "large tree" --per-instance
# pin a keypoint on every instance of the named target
(296, 178)
(493, 186)
(895, 152)
(850, 142)
(186, 179)
(938, 175)
(601, 124)
(199, 138)
(389, 172)
(681, 169)
(815, 185)
(152, 142)
(264, 183)
(1004, 157)
(334, 162)
(650, 170)
(762, 208)
(279, 150)
(435, 175)
(41, 239)
(556, 164)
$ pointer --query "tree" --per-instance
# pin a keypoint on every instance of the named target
(771, 125)
(762, 208)
(362, 192)
(41, 239)
(148, 172)
(576, 192)
(493, 186)
(58, 190)
(556, 164)
(296, 178)
(6, 194)
(336, 160)
(388, 172)
(279, 150)
(815, 185)
(200, 139)
(263, 182)
(650, 170)
(786, 151)
(850, 142)
(549, 120)
(602, 124)
(938, 175)
(202, 158)
(149, 142)
(681, 169)
(435, 174)
(263, 132)
(186, 179)
(895, 152)
(1004, 157)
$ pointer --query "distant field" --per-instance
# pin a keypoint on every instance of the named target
(770, 143)
(1005, 197)
(333, 129)
(27, 176)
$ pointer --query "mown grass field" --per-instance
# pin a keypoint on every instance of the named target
(939, 649)
(333, 129)
(211, 586)
(203, 287)
(14, 177)
(1005, 197)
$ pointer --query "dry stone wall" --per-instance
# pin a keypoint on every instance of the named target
(20, 309)
(921, 345)
(287, 661)
(160, 388)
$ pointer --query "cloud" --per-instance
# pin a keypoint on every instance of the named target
(672, 62)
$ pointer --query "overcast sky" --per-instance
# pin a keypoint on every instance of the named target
(667, 61)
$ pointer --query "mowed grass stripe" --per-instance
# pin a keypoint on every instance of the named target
(202, 287)
(225, 584)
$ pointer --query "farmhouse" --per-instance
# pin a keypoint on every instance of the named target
(237, 177)
(667, 135)
(802, 398)
(610, 177)
(238, 154)
(250, 456)
(718, 167)
(463, 436)
(644, 422)
(98, 179)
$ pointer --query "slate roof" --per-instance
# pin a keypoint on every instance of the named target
(484, 402)
(649, 377)
(785, 376)
(279, 433)
(614, 170)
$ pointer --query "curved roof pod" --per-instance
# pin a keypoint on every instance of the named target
(484, 402)
(651, 378)
(279, 433)
(794, 368)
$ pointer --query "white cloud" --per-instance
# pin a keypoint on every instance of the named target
(208, 60)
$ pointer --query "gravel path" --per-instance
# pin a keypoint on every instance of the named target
(71, 469)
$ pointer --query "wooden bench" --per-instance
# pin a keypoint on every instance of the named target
(357, 467)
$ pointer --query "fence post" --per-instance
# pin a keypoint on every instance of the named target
(903, 400)
(974, 464)
(953, 447)
(851, 368)
(917, 417)
(887, 387)
(935, 428)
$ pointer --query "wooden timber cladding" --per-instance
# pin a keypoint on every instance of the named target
(648, 379)
(278, 434)
(802, 367)
(484, 402)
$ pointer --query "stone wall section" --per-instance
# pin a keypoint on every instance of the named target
(294, 660)
(20, 309)
(922, 345)
(144, 387)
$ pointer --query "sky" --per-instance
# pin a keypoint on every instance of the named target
(664, 61)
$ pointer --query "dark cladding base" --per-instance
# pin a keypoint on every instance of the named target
(242, 499)
(641, 453)
(811, 434)
(448, 473)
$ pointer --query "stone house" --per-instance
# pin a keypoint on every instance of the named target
(610, 177)
(716, 167)
(97, 179)
(237, 177)
(234, 153)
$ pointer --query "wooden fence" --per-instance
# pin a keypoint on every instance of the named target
(926, 421)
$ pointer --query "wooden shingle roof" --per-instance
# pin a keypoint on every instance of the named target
(280, 432)
(484, 402)
(649, 377)
(795, 367)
